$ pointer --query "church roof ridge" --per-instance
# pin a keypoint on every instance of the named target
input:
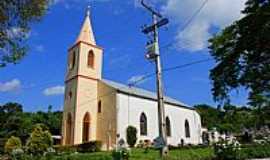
(136, 91)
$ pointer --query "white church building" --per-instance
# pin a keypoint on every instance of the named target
(100, 109)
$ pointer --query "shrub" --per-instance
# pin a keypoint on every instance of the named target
(17, 154)
(12, 144)
(225, 150)
(255, 151)
(116, 155)
(2, 145)
(65, 149)
(39, 142)
(122, 154)
(92, 146)
(131, 136)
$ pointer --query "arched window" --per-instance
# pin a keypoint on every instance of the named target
(91, 58)
(187, 129)
(143, 124)
(72, 60)
(68, 129)
(69, 94)
(168, 127)
(86, 127)
(99, 106)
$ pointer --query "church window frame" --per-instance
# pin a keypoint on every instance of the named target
(143, 124)
(86, 127)
(187, 129)
(99, 106)
(72, 60)
(69, 95)
(91, 59)
(168, 127)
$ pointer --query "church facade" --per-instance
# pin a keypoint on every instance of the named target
(99, 109)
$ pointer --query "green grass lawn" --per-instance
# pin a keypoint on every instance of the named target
(183, 154)
(138, 154)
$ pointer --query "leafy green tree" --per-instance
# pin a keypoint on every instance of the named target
(11, 120)
(230, 119)
(16, 17)
(209, 115)
(242, 54)
(12, 143)
(15, 122)
(131, 136)
(52, 120)
(40, 140)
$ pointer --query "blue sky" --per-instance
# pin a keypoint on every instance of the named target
(38, 80)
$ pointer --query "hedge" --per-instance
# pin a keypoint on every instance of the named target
(92, 146)
(255, 151)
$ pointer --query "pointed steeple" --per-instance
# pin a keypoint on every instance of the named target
(86, 33)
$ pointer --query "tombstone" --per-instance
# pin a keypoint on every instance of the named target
(159, 143)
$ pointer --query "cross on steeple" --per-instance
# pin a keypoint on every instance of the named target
(86, 33)
(88, 10)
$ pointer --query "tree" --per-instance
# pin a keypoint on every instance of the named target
(15, 122)
(16, 17)
(52, 120)
(242, 54)
(131, 136)
(12, 143)
(11, 120)
(209, 115)
(230, 119)
(40, 140)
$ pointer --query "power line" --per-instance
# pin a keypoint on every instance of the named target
(152, 74)
(188, 22)
(169, 44)
(175, 68)
(149, 75)
(135, 83)
(196, 13)
(188, 64)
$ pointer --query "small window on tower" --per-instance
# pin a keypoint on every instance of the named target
(99, 106)
(69, 94)
(72, 59)
(90, 61)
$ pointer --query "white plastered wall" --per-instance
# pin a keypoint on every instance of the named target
(129, 109)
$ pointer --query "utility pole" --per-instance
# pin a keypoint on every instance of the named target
(153, 54)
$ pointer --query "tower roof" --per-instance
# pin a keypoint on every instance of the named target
(86, 33)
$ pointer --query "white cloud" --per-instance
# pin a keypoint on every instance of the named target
(10, 86)
(138, 79)
(52, 91)
(216, 13)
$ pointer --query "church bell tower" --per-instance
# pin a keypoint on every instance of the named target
(81, 84)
